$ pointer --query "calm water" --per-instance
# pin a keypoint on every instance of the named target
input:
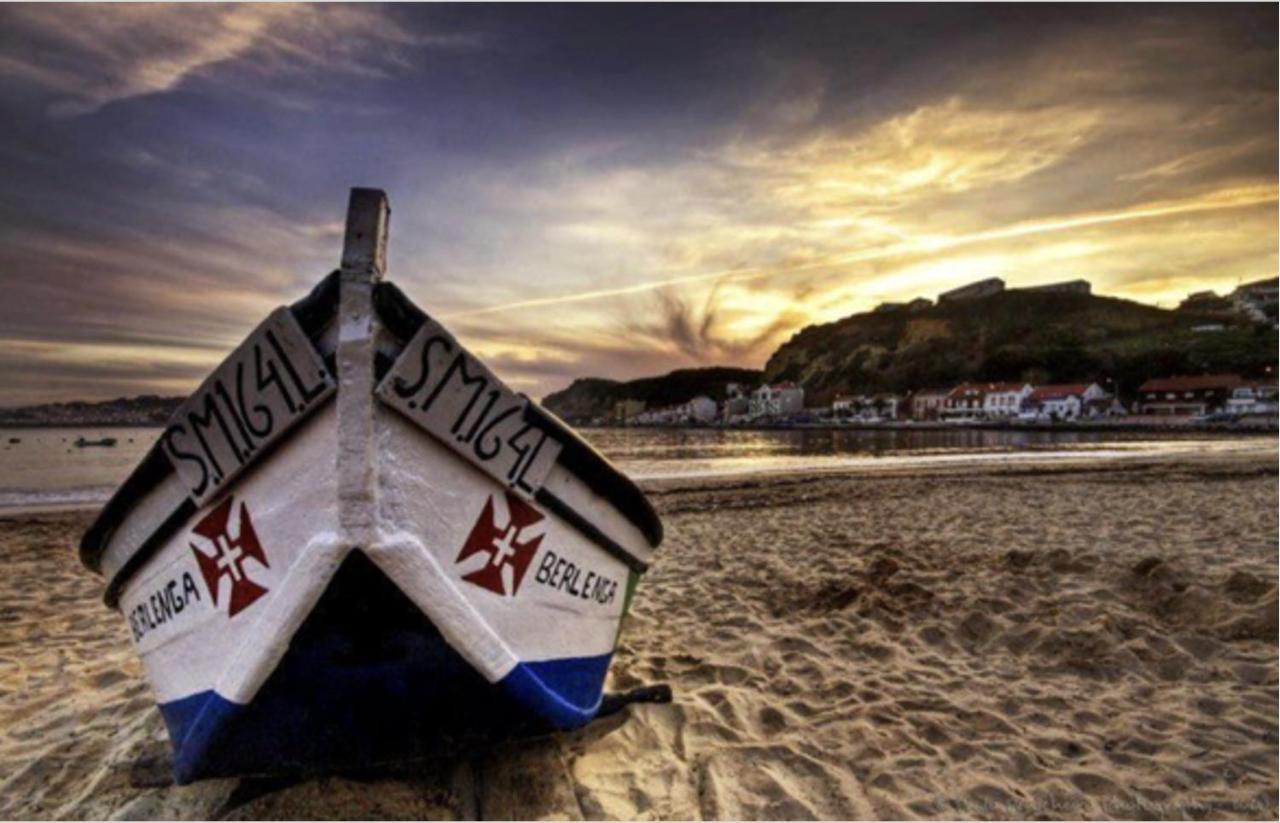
(661, 453)
(45, 468)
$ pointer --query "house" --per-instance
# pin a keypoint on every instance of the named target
(625, 410)
(1065, 287)
(926, 404)
(844, 405)
(777, 399)
(1004, 399)
(1063, 401)
(885, 406)
(964, 402)
(1254, 398)
(1107, 405)
(1187, 395)
(866, 407)
(982, 401)
(973, 291)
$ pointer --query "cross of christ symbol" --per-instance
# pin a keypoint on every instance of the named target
(505, 546)
(229, 558)
(505, 542)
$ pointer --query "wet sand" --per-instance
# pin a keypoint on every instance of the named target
(1064, 641)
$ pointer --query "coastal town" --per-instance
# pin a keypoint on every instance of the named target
(1220, 398)
(1202, 399)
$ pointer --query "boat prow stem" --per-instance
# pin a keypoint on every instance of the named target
(364, 255)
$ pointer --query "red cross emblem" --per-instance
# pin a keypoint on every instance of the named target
(229, 552)
(498, 557)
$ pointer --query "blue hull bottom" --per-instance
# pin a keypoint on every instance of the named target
(369, 680)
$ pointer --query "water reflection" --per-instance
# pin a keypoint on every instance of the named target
(662, 452)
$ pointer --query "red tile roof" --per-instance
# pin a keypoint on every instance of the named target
(984, 389)
(1059, 390)
(966, 388)
(1197, 383)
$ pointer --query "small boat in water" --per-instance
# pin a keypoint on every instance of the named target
(354, 543)
(83, 443)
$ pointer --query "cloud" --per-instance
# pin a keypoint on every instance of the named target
(945, 148)
(698, 330)
(86, 56)
(572, 201)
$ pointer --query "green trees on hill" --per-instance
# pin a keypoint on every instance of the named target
(1035, 337)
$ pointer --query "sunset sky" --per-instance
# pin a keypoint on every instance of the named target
(608, 191)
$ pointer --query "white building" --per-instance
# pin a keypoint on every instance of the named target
(1004, 399)
(1254, 398)
(844, 405)
(964, 403)
(777, 399)
(866, 407)
(1063, 401)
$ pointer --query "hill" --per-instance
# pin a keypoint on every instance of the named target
(1017, 335)
(144, 410)
(592, 397)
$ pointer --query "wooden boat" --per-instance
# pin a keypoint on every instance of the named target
(354, 542)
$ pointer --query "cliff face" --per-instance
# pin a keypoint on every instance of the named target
(586, 397)
(1015, 336)
(592, 397)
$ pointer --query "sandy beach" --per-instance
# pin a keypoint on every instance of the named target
(1091, 640)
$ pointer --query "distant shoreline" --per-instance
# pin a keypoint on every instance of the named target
(32, 424)
(1263, 428)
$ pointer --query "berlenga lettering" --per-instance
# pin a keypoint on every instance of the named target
(162, 605)
(565, 576)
